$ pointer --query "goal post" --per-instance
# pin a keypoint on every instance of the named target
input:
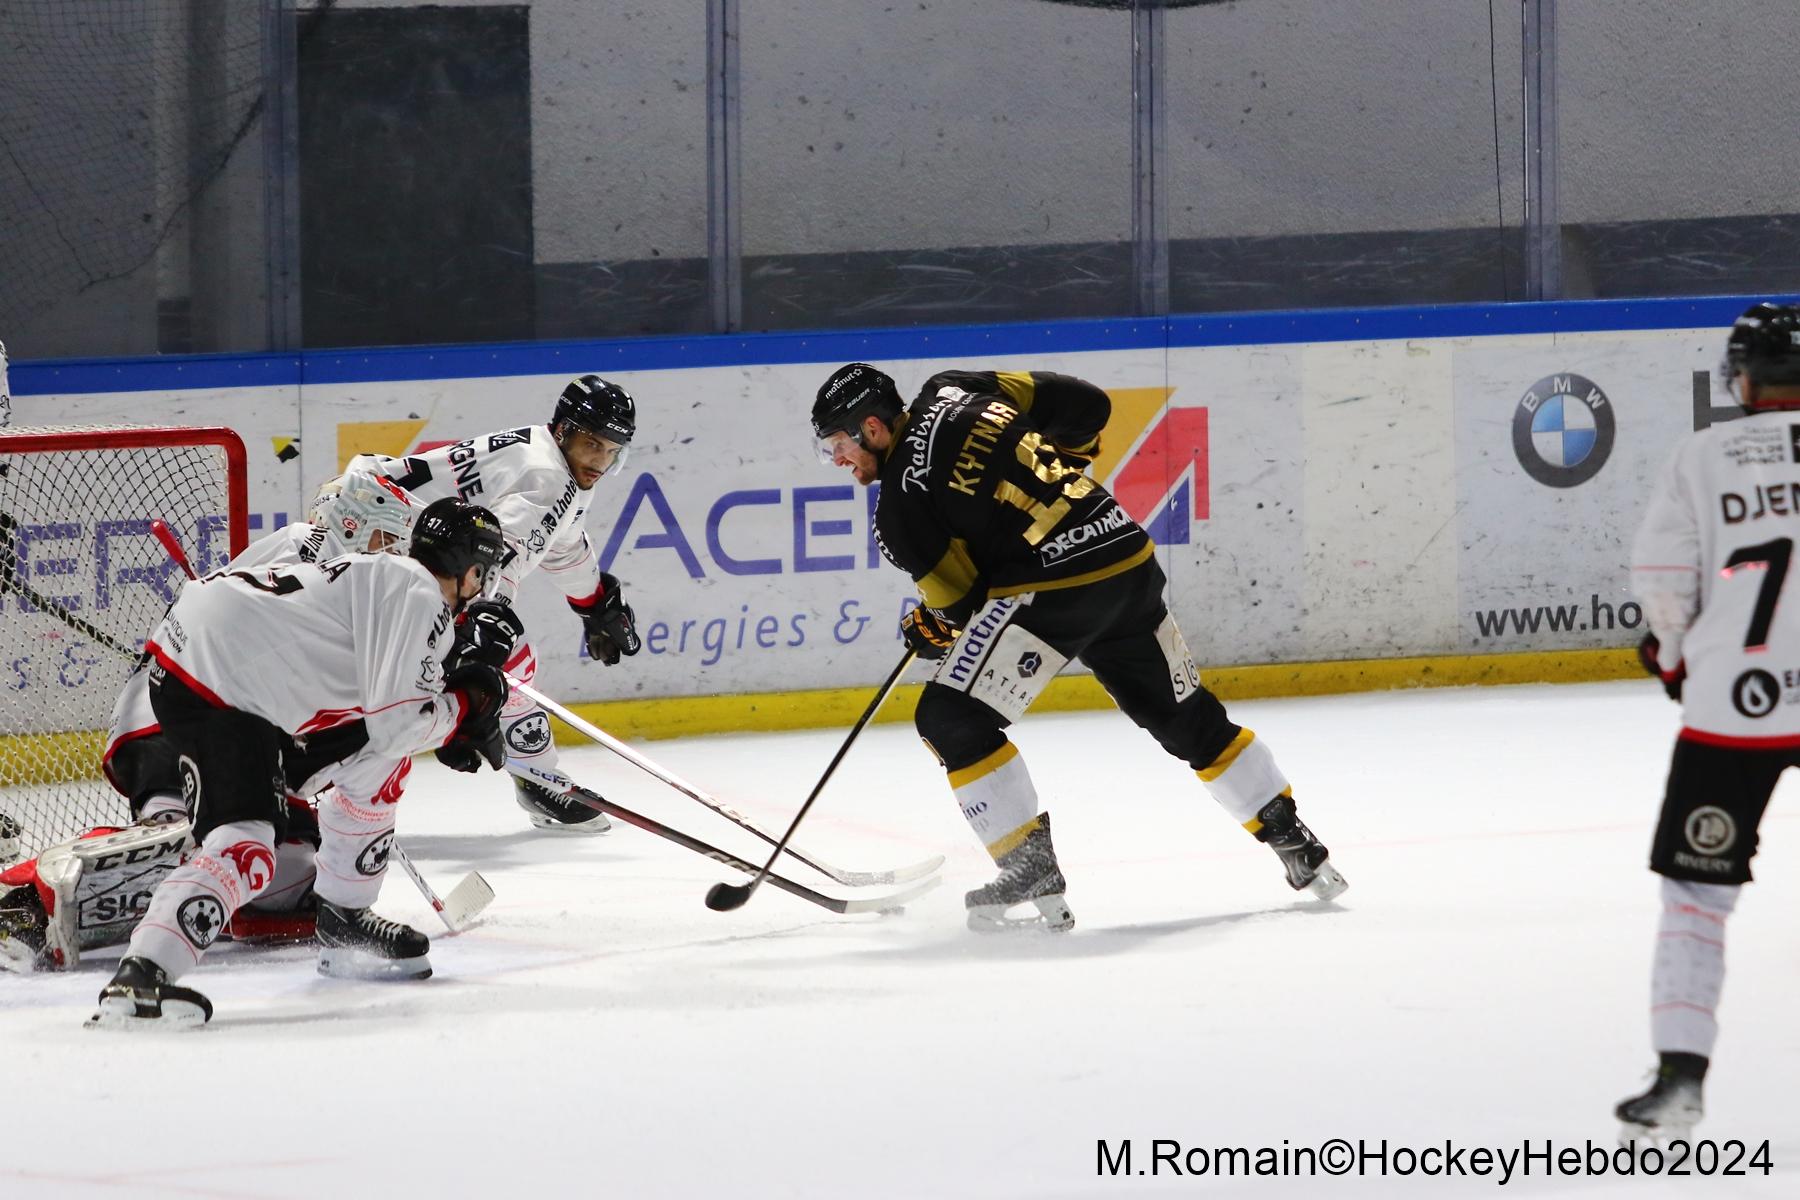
(83, 581)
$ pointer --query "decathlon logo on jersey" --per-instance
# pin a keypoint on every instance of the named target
(1562, 430)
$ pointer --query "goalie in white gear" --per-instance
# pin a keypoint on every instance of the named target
(538, 480)
(91, 892)
(1709, 565)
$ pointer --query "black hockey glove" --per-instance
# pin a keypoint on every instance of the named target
(609, 623)
(929, 635)
(1671, 680)
(487, 632)
(482, 688)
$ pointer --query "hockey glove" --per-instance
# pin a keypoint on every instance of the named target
(1671, 680)
(927, 634)
(482, 689)
(487, 632)
(608, 622)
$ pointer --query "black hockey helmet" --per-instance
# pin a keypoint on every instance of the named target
(452, 535)
(1765, 345)
(854, 391)
(597, 407)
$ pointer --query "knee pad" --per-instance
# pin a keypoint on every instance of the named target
(959, 729)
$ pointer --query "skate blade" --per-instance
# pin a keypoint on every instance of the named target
(1053, 916)
(342, 962)
(1633, 1134)
(563, 829)
(1328, 884)
(122, 1012)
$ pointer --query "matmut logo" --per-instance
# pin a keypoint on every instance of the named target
(1154, 461)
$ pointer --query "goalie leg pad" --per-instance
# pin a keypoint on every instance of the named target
(94, 890)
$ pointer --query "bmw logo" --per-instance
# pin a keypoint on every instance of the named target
(1563, 430)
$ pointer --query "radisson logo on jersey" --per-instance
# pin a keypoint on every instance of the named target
(1562, 430)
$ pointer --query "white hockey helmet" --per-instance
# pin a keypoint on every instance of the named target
(357, 506)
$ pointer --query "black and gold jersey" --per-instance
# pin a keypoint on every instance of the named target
(982, 491)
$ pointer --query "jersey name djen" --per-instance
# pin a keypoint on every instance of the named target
(1712, 565)
(310, 647)
(983, 493)
(521, 476)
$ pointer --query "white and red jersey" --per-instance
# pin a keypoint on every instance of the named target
(1712, 565)
(519, 475)
(132, 715)
(312, 646)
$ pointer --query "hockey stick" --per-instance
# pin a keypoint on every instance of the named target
(468, 897)
(10, 581)
(558, 782)
(918, 870)
(724, 897)
(466, 901)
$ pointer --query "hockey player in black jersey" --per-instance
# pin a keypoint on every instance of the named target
(1023, 563)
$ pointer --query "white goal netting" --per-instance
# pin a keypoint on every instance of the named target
(82, 583)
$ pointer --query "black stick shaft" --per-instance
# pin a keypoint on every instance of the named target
(687, 842)
(855, 731)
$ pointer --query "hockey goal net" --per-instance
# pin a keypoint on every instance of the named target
(82, 583)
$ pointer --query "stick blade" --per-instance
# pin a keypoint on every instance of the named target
(467, 900)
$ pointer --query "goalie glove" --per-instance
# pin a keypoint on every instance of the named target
(482, 689)
(608, 622)
(1648, 650)
(928, 635)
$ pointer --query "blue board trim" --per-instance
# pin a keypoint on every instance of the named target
(969, 342)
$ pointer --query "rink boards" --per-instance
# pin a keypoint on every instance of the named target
(1340, 499)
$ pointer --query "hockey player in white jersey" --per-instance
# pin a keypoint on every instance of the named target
(91, 891)
(538, 481)
(1709, 565)
(361, 653)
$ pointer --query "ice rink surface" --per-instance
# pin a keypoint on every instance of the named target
(601, 1033)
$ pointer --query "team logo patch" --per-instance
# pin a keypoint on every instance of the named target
(1562, 430)
(1755, 693)
(1029, 662)
(255, 864)
(201, 918)
(529, 734)
(500, 441)
(1710, 830)
(373, 860)
(189, 771)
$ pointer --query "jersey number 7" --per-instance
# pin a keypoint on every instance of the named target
(1773, 557)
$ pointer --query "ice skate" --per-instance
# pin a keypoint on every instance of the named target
(354, 943)
(557, 814)
(140, 996)
(1305, 858)
(1670, 1108)
(1028, 874)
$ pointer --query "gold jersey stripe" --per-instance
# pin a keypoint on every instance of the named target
(963, 776)
(1018, 387)
(1051, 585)
(951, 579)
(1227, 756)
